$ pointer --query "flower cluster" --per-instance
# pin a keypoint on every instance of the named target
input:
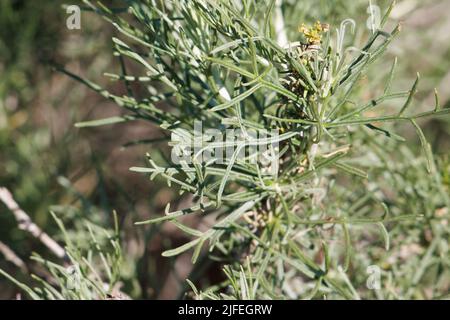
(313, 34)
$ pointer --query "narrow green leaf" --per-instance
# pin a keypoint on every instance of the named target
(267, 18)
(229, 65)
(411, 95)
(197, 250)
(437, 105)
(348, 246)
(385, 234)
(237, 99)
(387, 89)
(104, 121)
(425, 145)
(186, 229)
(350, 169)
(387, 14)
(193, 287)
(181, 249)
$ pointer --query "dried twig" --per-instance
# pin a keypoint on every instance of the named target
(24, 223)
(12, 257)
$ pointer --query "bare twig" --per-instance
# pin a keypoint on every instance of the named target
(12, 257)
(24, 223)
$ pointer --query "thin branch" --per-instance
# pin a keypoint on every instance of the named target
(24, 223)
(12, 257)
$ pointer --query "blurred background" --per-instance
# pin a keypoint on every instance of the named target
(49, 165)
